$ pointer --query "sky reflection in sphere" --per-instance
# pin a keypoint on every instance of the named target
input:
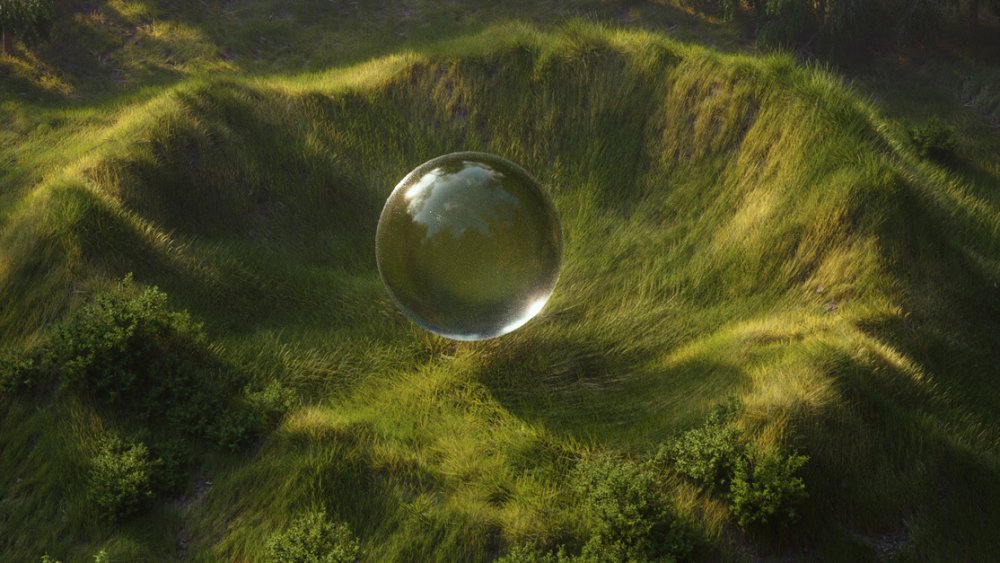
(469, 246)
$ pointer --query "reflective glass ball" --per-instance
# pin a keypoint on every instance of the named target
(469, 246)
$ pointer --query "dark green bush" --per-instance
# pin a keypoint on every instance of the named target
(173, 456)
(270, 403)
(312, 538)
(934, 139)
(628, 513)
(628, 517)
(18, 371)
(706, 454)
(766, 488)
(760, 488)
(529, 553)
(131, 352)
(120, 481)
(115, 343)
(28, 19)
(153, 369)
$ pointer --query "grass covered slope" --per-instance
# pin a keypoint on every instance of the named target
(734, 226)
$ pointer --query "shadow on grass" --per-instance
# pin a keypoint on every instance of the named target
(589, 391)
(894, 465)
(97, 49)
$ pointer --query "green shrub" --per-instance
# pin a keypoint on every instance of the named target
(27, 19)
(131, 352)
(530, 553)
(117, 343)
(934, 139)
(765, 488)
(173, 455)
(270, 403)
(628, 517)
(628, 513)
(706, 454)
(18, 371)
(231, 428)
(759, 487)
(312, 538)
(121, 478)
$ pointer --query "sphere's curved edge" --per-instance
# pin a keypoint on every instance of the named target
(536, 306)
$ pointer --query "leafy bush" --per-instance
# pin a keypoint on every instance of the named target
(628, 513)
(18, 371)
(933, 139)
(114, 343)
(27, 19)
(121, 477)
(270, 403)
(173, 455)
(312, 538)
(759, 487)
(706, 454)
(153, 367)
(628, 517)
(131, 352)
(530, 553)
(765, 487)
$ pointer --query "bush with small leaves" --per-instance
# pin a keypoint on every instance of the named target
(312, 538)
(760, 487)
(173, 456)
(766, 488)
(706, 454)
(130, 351)
(18, 371)
(270, 403)
(117, 343)
(530, 553)
(933, 139)
(839, 26)
(27, 19)
(628, 513)
(120, 480)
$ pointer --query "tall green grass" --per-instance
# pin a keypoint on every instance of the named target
(735, 225)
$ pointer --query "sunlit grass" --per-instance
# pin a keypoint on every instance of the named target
(736, 226)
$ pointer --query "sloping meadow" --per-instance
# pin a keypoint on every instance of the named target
(737, 229)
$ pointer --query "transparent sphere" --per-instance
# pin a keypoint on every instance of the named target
(469, 246)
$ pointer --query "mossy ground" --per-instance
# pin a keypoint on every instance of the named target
(736, 224)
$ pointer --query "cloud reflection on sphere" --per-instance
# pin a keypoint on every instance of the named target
(469, 246)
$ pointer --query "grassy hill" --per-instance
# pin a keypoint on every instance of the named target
(738, 227)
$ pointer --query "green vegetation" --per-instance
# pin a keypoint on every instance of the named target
(737, 224)
(121, 478)
(27, 19)
(933, 139)
(152, 366)
(629, 517)
(765, 487)
(311, 538)
(707, 454)
(760, 487)
(851, 26)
